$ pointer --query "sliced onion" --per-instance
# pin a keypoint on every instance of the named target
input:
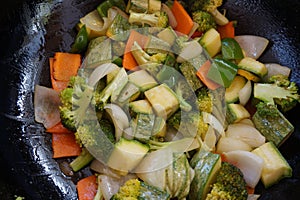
(100, 72)
(214, 122)
(246, 133)
(210, 139)
(194, 29)
(101, 168)
(118, 117)
(249, 163)
(247, 121)
(275, 69)
(253, 45)
(227, 144)
(172, 19)
(46, 106)
(245, 93)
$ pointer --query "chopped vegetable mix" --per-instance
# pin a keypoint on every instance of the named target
(154, 98)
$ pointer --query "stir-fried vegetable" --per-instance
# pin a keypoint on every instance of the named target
(157, 113)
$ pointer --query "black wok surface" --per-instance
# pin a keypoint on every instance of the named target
(31, 31)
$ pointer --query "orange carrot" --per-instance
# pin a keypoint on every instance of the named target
(65, 65)
(65, 145)
(58, 128)
(87, 188)
(227, 30)
(184, 20)
(56, 84)
(202, 74)
(129, 62)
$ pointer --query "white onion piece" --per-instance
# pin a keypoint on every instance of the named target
(246, 133)
(172, 19)
(249, 163)
(214, 122)
(253, 196)
(245, 93)
(275, 69)
(253, 45)
(194, 29)
(46, 106)
(102, 168)
(100, 72)
(210, 139)
(227, 144)
(247, 121)
(118, 117)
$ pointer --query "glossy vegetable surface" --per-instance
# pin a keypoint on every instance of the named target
(32, 31)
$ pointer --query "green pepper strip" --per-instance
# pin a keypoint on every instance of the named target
(222, 71)
(231, 49)
(81, 41)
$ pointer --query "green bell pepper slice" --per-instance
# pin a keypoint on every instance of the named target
(231, 50)
(81, 41)
(222, 71)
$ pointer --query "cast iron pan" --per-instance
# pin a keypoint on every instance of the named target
(31, 31)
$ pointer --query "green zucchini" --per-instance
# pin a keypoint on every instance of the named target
(129, 93)
(253, 66)
(126, 155)
(206, 165)
(232, 92)
(275, 166)
(142, 79)
(211, 41)
(163, 100)
(236, 112)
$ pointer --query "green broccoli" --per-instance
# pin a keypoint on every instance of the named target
(143, 57)
(230, 184)
(110, 91)
(204, 19)
(82, 160)
(211, 7)
(96, 138)
(134, 189)
(204, 100)
(188, 123)
(280, 91)
(158, 19)
(75, 101)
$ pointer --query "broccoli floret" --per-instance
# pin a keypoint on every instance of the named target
(158, 19)
(134, 189)
(204, 19)
(75, 101)
(95, 138)
(188, 123)
(280, 91)
(230, 184)
(143, 57)
(211, 7)
(130, 190)
(114, 87)
(204, 100)
(206, 5)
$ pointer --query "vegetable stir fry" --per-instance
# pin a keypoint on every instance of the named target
(161, 100)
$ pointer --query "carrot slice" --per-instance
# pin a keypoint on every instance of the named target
(202, 74)
(227, 30)
(87, 188)
(58, 128)
(56, 84)
(184, 20)
(65, 145)
(65, 65)
(129, 62)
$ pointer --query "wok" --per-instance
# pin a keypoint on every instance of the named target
(31, 31)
